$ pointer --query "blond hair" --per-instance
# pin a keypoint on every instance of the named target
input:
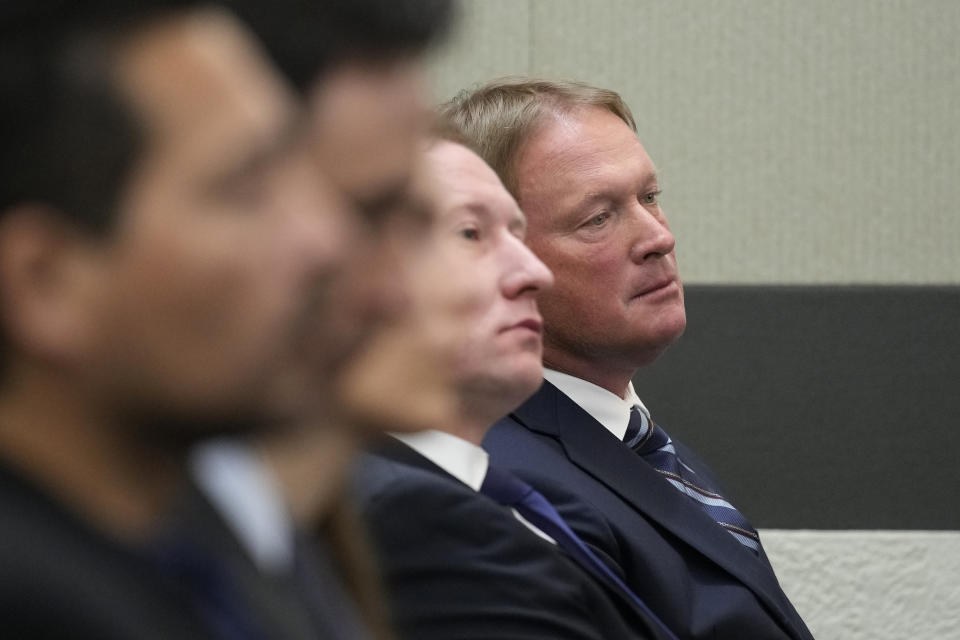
(499, 117)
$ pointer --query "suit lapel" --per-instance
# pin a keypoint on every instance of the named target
(592, 448)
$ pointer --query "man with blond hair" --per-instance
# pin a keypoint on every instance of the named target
(570, 155)
(466, 550)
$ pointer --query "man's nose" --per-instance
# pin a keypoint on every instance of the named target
(322, 227)
(652, 235)
(524, 271)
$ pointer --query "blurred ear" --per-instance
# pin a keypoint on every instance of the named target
(48, 284)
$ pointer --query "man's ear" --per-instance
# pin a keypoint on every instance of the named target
(49, 278)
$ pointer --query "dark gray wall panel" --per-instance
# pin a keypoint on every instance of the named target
(821, 407)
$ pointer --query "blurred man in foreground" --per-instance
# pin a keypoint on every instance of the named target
(460, 559)
(570, 154)
(162, 254)
(357, 67)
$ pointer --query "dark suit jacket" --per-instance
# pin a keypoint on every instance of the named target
(306, 602)
(61, 579)
(460, 566)
(692, 573)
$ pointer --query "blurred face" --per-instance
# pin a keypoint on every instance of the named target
(490, 283)
(590, 191)
(207, 289)
(368, 123)
(369, 119)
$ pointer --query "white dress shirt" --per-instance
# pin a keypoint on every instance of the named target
(609, 409)
(247, 496)
(463, 460)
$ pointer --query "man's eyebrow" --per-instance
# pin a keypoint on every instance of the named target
(609, 195)
(592, 197)
(518, 223)
(477, 208)
(420, 212)
(486, 215)
(384, 199)
(263, 152)
(652, 178)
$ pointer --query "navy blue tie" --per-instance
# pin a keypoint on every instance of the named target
(656, 448)
(511, 491)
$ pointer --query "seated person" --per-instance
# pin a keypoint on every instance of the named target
(462, 554)
(570, 155)
(160, 252)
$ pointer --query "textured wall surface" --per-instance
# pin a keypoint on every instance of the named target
(871, 585)
(799, 142)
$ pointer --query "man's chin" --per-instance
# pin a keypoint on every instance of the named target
(664, 328)
(173, 431)
(651, 349)
(524, 382)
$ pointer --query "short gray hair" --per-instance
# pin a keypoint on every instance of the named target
(499, 117)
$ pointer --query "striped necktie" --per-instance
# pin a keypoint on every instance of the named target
(509, 490)
(656, 448)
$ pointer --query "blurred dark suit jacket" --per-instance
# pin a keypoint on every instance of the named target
(61, 578)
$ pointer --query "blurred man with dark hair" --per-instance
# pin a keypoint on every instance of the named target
(357, 66)
(165, 245)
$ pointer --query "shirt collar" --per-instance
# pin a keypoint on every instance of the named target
(463, 460)
(247, 496)
(609, 409)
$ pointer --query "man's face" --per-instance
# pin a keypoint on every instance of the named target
(590, 190)
(208, 286)
(484, 280)
(368, 118)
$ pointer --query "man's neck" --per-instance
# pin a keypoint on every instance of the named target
(613, 379)
(48, 434)
(311, 466)
(471, 430)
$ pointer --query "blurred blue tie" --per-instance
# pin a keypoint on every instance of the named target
(656, 448)
(511, 491)
(205, 581)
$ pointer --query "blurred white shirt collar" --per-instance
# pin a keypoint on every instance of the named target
(247, 496)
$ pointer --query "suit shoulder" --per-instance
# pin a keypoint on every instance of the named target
(511, 437)
(371, 475)
(63, 578)
(381, 482)
(459, 566)
(405, 501)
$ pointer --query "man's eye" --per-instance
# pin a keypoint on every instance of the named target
(650, 198)
(598, 220)
(470, 233)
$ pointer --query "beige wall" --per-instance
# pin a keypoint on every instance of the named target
(871, 585)
(799, 142)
